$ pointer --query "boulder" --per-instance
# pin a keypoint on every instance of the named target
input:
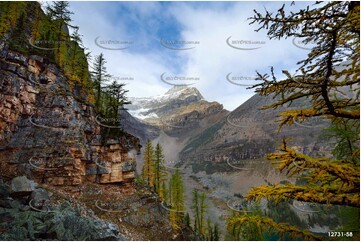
(21, 186)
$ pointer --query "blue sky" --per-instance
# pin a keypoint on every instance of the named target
(139, 27)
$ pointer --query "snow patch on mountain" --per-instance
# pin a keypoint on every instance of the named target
(154, 107)
(142, 113)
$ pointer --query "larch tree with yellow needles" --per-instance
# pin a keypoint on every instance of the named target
(329, 78)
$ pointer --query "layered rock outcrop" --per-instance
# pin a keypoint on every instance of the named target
(50, 134)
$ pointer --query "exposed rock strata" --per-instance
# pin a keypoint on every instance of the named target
(50, 134)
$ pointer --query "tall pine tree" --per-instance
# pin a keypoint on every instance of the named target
(160, 171)
(195, 208)
(199, 208)
(99, 76)
(176, 214)
(148, 165)
(61, 15)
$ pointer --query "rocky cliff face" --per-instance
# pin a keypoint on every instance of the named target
(48, 133)
(249, 133)
(137, 127)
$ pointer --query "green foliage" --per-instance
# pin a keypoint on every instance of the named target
(202, 228)
(253, 226)
(328, 181)
(148, 165)
(99, 76)
(245, 231)
(160, 172)
(60, 16)
(216, 232)
(213, 233)
(209, 236)
(347, 137)
(109, 98)
(139, 181)
(199, 208)
(26, 29)
(187, 220)
(203, 138)
(10, 12)
(195, 208)
(165, 192)
(282, 212)
(176, 200)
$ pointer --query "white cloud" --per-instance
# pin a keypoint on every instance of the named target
(211, 60)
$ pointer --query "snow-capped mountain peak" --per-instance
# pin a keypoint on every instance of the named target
(154, 107)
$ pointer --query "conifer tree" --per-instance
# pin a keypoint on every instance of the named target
(148, 166)
(164, 193)
(187, 220)
(209, 230)
(61, 15)
(10, 13)
(216, 232)
(176, 214)
(100, 76)
(73, 65)
(195, 208)
(160, 172)
(114, 98)
(199, 208)
(17, 34)
(332, 66)
(202, 212)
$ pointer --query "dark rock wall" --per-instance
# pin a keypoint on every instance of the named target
(50, 134)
